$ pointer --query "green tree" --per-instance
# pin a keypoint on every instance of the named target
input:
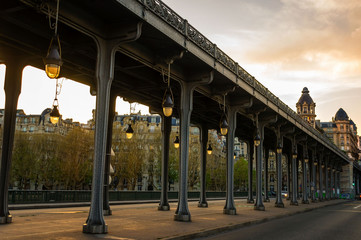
(24, 161)
(240, 174)
(75, 158)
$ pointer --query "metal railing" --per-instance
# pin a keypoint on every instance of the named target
(64, 196)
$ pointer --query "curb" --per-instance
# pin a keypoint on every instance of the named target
(217, 230)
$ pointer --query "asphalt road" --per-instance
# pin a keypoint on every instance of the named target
(341, 221)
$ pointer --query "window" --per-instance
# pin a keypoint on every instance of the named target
(23, 129)
(272, 178)
(304, 109)
(31, 129)
(151, 128)
(272, 165)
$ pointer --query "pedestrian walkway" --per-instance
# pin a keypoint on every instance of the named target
(144, 221)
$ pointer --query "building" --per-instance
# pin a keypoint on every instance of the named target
(306, 107)
(39, 123)
(342, 131)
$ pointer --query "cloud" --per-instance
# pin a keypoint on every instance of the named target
(289, 44)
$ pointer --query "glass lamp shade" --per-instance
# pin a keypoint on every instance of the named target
(129, 132)
(315, 163)
(167, 111)
(257, 140)
(333, 169)
(52, 70)
(279, 150)
(328, 168)
(209, 149)
(176, 142)
(53, 60)
(323, 165)
(223, 126)
(54, 115)
(306, 160)
(168, 103)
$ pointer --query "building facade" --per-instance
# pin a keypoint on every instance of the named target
(306, 107)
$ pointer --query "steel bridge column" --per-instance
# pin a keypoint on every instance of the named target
(203, 143)
(279, 202)
(106, 207)
(250, 152)
(186, 106)
(332, 172)
(229, 208)
(338, 184)
(265, 197)
(259, 156)
(294, 175)
(304, 183)
(12, 87)
(289, 162)
(166, 130)
(320, 197)
(335, 182)
(104, 74)
(357, 183)
(314, 176)
(327, 185)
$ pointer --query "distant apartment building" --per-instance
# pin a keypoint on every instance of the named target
(40, 123)
(342, 131)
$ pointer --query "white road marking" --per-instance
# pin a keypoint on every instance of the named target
(357, 206)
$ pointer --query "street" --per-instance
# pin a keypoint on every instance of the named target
(341, 221)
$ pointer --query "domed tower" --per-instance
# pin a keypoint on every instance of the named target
(306, 107)
(346, 134)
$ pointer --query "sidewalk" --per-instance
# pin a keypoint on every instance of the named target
(144, 221)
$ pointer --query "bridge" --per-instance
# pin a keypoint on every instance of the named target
(142, 50)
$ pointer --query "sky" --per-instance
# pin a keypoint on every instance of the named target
(285, 44)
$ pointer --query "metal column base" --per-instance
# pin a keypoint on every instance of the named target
(314, 201)
(259, 208)
(250, 200)
(107, 212)
(279, 205)
(305, 202)
(230, 211)
(182, 218)
(95, 229)
(295, 203)
(6, 219)
(266, 200)
(203, 205)
(163, 207)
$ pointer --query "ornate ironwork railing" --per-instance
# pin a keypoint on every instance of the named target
(181, 25)
(68, 196)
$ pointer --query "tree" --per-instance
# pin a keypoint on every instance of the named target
(240, 174)
(24, 161)
(75, 158)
